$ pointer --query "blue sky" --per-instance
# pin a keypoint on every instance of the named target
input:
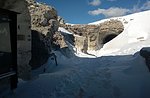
(86, 11)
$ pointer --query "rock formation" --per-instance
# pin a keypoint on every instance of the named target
(92, 37)
(44, 22)
(43, 18)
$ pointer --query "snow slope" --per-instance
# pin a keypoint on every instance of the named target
(136, 31)
(136, 35)
(118, 71)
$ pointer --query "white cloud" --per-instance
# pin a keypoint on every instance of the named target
(116, 11)
(95, 2)
(96, 12)
(111, 12)
(137, 8)
(146, 6)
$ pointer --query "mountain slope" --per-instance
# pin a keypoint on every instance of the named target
(136, 34)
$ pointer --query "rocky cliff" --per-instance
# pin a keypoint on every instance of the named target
(45, 35)
(92, 37)
(43, 18)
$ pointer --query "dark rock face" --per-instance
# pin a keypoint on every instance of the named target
(44, 26)
(39, 50)
(145, 52)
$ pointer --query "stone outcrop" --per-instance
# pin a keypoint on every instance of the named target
(43, 18)
(24, 35)
(92, 37)
(44, 22)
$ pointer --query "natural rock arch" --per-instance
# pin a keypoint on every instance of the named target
(108, 38)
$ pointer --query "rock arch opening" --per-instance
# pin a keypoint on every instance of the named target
(109, 38)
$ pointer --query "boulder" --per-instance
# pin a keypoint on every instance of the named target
(145, 52)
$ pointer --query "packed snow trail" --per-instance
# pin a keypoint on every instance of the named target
(104, 77)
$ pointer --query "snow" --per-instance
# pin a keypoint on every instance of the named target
(70, 24)
(136, 35)
(64, 30)
(115, 71)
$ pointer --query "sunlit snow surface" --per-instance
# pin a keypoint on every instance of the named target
(115, 71)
